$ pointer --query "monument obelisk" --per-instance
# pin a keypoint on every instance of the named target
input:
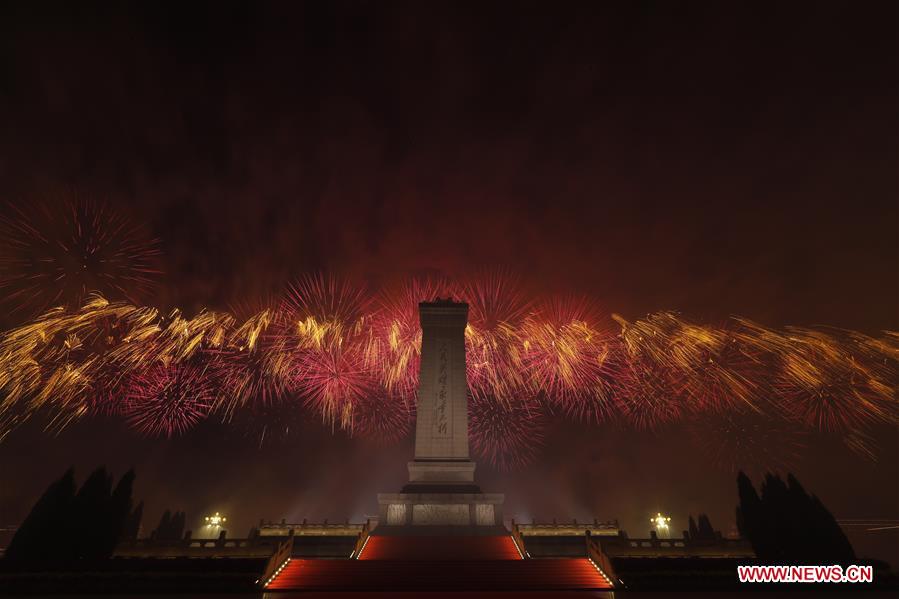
(441, 488)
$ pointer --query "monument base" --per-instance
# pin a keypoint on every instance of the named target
(440, 508)
(441, 471)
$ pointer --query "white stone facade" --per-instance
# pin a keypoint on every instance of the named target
(441, 489)
(441, 425)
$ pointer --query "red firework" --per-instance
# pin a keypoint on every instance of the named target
(827, 386)
(599, 404)
(245, 376)
(656, 359)
(168, 400)
(380, 417)
(748, 441)
(508, 434)
(255, 365)
(52, 256)
(332, 380)
(326, 299)
(497, 306)
(494, 299)
(728, 375)
(567, 353)
(395, 348)
(644, 400)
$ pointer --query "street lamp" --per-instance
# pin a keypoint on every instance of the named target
(661, 524)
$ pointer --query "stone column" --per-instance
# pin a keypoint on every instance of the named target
(441, 426)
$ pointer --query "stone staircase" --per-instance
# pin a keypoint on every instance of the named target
(418, 564)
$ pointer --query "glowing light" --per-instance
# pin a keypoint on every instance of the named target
(661, 523)
(215, 521)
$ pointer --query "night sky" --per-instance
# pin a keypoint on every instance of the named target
(711, 158)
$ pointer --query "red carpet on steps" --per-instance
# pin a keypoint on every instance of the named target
(440, 548)
(487, 563)
(421, 575)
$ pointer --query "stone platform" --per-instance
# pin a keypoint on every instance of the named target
(440, 507)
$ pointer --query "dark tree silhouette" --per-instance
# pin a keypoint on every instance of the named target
(162, 530)
(703, 531)
(787, 525)
(112, 527)
(694, 531)
(90, 511)
(178, 521)
(64, 526)
(750, 519)
(706, 531)
(171, 526)
(36, 539)
(132, 524)
(826, 541)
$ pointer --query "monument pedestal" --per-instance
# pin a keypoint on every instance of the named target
(440, 509)
(441, 471)
(441, 493)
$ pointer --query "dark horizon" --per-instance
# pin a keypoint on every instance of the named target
(711, 159)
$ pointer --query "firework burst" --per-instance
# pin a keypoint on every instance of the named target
(828, 380)
(394, 348)
(652, 378)
(382, 418)
(251, 367)
(328, 350)
(566, 354)
(321, 307)
(332, 380)
(168, 400)
(748, 441)
(497, 306)
(828, 387)
(57, 257)
(507, 433)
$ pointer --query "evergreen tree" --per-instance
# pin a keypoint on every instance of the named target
(694, 531)
(37, 538)
(824, 539)
(780, 527)
(162, 530)
(787, 525)
(132, 525)
(749, 513)
(178, 522)
(64, 525)
(171, 526)
(705, 528)
(90, 515)
(113, 526)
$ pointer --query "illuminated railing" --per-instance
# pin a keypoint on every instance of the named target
(519, 542)
(362, 541)
(600, 560)
(279, 559)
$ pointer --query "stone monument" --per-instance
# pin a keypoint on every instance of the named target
(441, 489)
